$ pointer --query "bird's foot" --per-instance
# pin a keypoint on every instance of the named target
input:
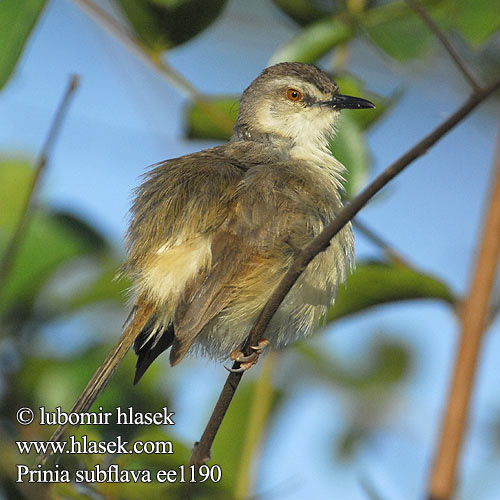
(247, 362)
(263, 343)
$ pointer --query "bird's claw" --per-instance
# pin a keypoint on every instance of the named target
(247, 362)
(261, 345)
(241, 358)
(241, 369)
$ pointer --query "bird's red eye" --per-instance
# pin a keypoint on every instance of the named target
(294, 95)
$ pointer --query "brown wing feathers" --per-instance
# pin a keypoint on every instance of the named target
(209, 296)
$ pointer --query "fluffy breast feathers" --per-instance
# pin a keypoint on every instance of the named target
(210, 239)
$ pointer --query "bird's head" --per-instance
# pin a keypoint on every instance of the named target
(295, 102)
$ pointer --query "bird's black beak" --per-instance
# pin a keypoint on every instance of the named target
(339, 101)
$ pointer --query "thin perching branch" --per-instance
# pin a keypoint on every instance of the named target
(8, 257)
(460, 63)
(201, 451)
(474, 319)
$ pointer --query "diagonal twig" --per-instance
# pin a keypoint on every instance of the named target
(154, 61)
(201, 450)
(10, 253)
(460, 63)
(108, 23)
(474, 320)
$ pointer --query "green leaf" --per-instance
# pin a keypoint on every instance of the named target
(399, 31)
(202, 123)
(47, 245)
(477, 20)
(403, 37)
(90, 235)
(349, 147)
(17, 19)
(163, 24)
(303, 11)
(314, 41)
(377, 283)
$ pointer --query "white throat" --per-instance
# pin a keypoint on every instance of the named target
(311, 145)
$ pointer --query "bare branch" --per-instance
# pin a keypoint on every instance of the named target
(19, 232)
(420, 10)
(474, 319)
(201, 451)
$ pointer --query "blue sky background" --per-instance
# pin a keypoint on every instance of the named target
(125, 117)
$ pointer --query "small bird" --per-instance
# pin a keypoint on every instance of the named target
(212, 233)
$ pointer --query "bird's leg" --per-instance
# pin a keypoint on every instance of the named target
(247, 362)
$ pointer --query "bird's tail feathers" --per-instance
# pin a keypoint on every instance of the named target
(135, 323)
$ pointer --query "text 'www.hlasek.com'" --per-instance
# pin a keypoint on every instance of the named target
(110, 473)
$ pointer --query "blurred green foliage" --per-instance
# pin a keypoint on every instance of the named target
(52, 239)
(316, 40)
(60, 248)
(163, 24)
(306, 12)
(392, 26)
(200, 125)
(376, 283)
